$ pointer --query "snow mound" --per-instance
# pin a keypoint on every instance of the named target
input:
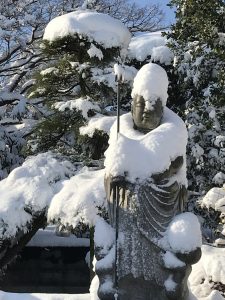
(98, 27)
(34, 296)
(151, 82)
(79, 199)
(141, 155)
(142, 45)
(99, 123)
(30, 186)
(184, 233)
(211, 267)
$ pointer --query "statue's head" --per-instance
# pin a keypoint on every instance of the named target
(146, 118)
(149, 95)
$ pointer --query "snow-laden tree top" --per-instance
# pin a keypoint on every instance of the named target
(151, 44)
(142, 45)
(151, 82)
(98, 27)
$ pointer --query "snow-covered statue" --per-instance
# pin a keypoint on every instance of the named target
(145, 185)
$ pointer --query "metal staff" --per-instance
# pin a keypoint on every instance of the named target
(116, 207)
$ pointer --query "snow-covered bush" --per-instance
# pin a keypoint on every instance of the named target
(197, 41)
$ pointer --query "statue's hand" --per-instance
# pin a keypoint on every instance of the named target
(190, 258)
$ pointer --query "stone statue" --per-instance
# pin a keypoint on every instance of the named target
(146, 208)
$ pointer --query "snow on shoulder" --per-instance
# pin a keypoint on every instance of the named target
(151, 82)
(98, 27)
(142, 155)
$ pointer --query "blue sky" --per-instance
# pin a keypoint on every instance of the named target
(169, 14)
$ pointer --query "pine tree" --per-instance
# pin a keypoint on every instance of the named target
(198, 42)
(79, 70)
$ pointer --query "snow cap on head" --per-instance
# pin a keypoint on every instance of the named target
(151, 82)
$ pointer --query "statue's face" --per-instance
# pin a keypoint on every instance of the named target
(145, 119)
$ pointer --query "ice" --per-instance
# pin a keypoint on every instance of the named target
(101, 28)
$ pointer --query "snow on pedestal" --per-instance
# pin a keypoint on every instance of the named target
(101, 28)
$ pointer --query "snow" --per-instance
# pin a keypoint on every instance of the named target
(184, 233)
(81, 104)
(21, 296)
(162, 54)
(151, 82)
(94, 288)
(170, 285)
(49, 71)
(99, 123)
(214, 198)
(141, 46)
(95, 52)
(211, 267)
(104, 235)
(98, 27)
(219, 178)
(153, 151)
(79, 199)
(171, 261)
(30, 186)
(124, 73)
(48, 238)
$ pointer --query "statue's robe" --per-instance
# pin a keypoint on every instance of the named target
(146, 208)
(145, 211)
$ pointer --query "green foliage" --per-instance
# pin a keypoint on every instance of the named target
(198, 42)
(72, 73)
(55, 131)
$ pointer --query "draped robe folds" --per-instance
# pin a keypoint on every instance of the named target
(145, 211)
